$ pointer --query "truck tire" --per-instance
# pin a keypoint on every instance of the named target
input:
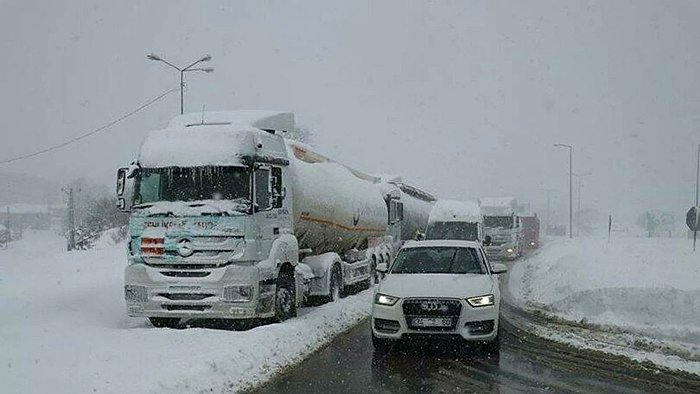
(168, 322)
(335, 288)
(285, 299)
(374, 275)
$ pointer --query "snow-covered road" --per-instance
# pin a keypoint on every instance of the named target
(64, 330)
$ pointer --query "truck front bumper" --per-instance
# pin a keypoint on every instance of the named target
(501, 252)
(229, 292)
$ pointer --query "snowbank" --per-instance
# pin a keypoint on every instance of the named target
(644, 286)
(65, 331)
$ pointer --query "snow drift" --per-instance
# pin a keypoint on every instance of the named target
(65, 330)
(647, 286)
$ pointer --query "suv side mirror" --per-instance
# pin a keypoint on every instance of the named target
(382, 267)
(499, 268)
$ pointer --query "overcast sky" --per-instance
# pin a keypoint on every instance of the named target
(463, 98)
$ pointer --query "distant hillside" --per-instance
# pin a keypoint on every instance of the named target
(22, 188)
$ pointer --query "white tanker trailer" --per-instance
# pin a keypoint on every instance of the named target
(416, 206)
(230, 220)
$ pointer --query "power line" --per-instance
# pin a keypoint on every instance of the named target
(106, 126)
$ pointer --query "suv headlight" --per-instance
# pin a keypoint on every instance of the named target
(479, 301)
(383, 299)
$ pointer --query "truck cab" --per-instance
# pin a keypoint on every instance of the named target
(502, 227)
(210, 225)
(455, 220)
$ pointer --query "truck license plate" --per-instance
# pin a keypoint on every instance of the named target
(432, 322)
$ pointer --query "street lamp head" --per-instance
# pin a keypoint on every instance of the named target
(153, 56)
(208, 70)
(205, 58)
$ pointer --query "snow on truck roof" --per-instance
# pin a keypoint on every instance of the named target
(498, 206)
(455, 211)
(397, 180)
(504, 202)
(214, 138)
(245, 119)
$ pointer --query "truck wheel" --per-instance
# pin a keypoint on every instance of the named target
(374, 275)
(285, 303)
(335, 291)
(169, 322)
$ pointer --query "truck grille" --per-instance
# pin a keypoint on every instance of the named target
(431, 308)
(186, 296)
(198, 308)
(200, 251)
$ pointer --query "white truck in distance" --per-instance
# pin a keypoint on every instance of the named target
(502, 227)
(457, 220)
(230, 220)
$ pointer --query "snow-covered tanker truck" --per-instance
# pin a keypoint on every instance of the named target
(230, 220)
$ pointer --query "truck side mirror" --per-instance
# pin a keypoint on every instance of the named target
(125, 189)
(487, 240)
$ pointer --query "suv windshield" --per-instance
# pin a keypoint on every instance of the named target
(190, 184)
(498, 221)
(438, 260)
(452, 230)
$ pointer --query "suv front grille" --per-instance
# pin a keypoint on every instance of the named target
(431, 308)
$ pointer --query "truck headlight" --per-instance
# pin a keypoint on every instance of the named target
(238, 293)
(509, 250)
(484, 300)
(383, 299)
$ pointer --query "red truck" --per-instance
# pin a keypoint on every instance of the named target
(530, 232)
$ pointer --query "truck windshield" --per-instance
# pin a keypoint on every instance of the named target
(452, 230)
(498, 221)
(191, 184)
(438, 260)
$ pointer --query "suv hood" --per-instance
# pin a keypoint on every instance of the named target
(436, 285)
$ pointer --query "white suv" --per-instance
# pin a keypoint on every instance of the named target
(439, 287)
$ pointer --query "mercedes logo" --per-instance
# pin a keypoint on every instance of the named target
(184, 248)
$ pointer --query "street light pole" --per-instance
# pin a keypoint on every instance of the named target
(182, 71)
(697, 194)
(546, 220)
(578, 211)
(571, 187)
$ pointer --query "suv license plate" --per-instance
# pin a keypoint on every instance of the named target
(432, 322)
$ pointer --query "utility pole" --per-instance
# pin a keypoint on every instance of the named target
(697, 191)
(7, 227)
(578, 211)
(571, 187)
(546, 219)
(71, 218)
